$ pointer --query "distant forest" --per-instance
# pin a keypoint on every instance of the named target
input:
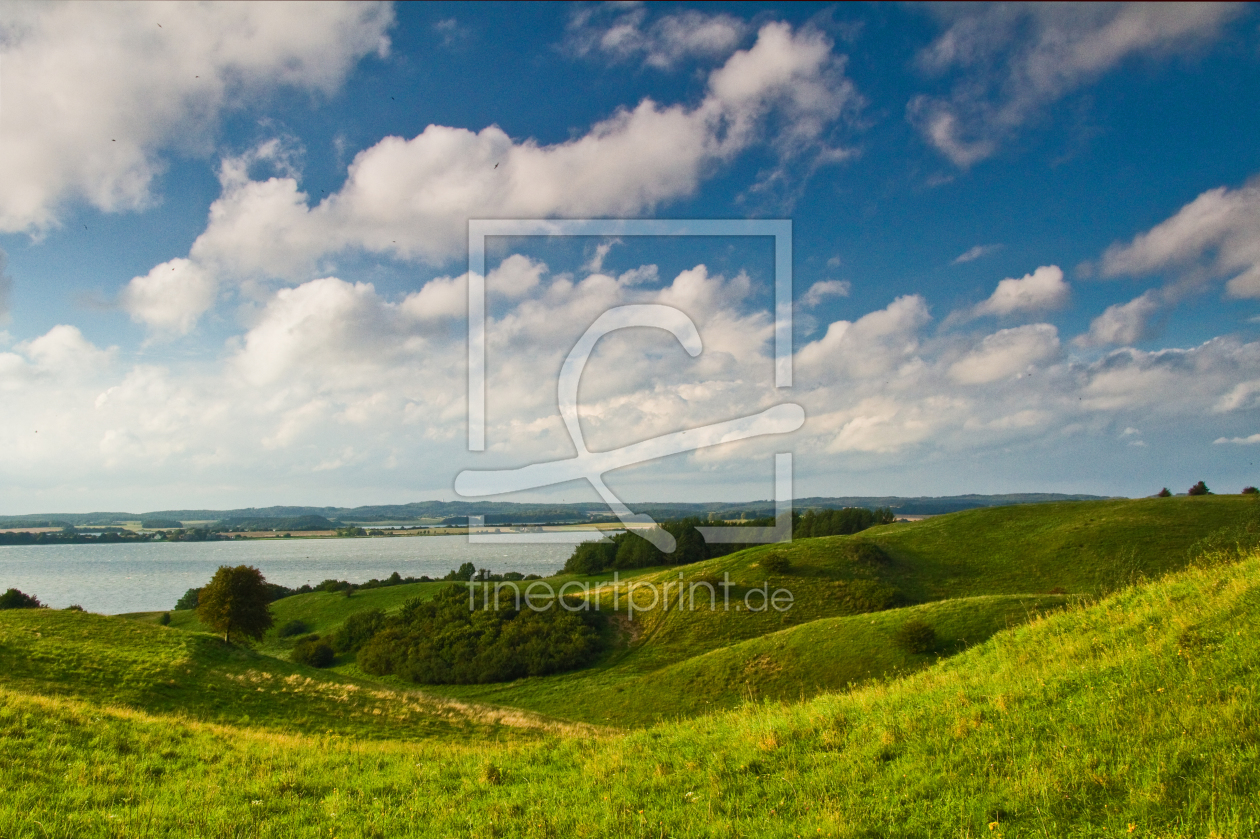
(501, 512)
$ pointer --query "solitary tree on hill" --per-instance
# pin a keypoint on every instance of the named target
(1200, 489)
(235, 601)
(1164, 493)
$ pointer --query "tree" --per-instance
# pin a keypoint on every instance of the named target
(14, 599)
(235, 601)
(1163, 493)
(1250, 491)
(1200, 489)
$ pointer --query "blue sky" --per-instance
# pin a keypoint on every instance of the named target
(1026, 245)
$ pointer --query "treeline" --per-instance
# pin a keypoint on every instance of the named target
(69, 536)
(275, 591)
(627, 550)
(843, 522)
(444, 641)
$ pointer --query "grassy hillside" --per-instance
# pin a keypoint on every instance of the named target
(791, 664)
(1136, 716)
(1079, 548)
(973, 573)
(115, 662)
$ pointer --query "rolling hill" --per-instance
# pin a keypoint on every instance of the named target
(1134, 713)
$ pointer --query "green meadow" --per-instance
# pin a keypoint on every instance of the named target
(1092, 671)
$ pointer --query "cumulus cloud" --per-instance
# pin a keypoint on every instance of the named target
(171, 297)
(325, 327)
(873, 344)
(1042, 290)
(102, 91)
(625, 35)
(1123, 323)
(1015, 59)
(60, 354)
(1006, 353)
(337, 377)
(412, 198)
(1216, 236)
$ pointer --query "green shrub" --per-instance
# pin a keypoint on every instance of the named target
(14, 599)
(1199, 489)
(358, 630)
(291, 628)
(189, 600)
(1250, 491)
(165, 620)
(916, 637)
(775, 564)
(1163, 493)
(313, 651)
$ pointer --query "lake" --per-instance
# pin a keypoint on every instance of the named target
(151, 576)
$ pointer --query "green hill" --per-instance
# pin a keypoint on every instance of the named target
(973, 572)
(111, 661)
(1073, 548)
(1138, 715)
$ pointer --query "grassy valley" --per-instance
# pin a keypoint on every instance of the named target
(1092, 671)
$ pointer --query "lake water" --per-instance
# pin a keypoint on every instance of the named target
(150, 576)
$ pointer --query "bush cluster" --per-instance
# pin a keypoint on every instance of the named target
(628, 550)
(916, 637)
(291, 628)
(14, 599)
(313, 651)
(443, 641)
(357, 630)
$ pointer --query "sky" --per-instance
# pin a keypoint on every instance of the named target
(234, 247)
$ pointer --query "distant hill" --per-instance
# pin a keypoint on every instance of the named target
(506, 511)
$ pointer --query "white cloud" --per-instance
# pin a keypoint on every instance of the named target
(171, 297)
(441, 297)
(1243, 395)
(870, 346)
(325, 327)
(516, 276)
(95, 94)
(1241, 441)
(335, 377)
(974, 253)
(1006, 353)
(1015, 59)
(667, 41)
(412, 198)
(1123, 323)
(1042, 290)
(1215, 236)
(60, 355)
(823, 289)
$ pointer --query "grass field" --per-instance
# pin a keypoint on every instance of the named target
(1129, 705)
